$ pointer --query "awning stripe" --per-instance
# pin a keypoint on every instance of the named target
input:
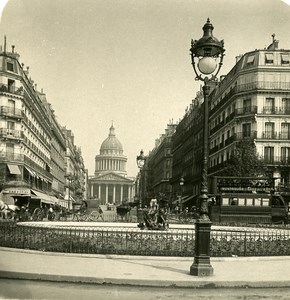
(44, 198)
(14, 169)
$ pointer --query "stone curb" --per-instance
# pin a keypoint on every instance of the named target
(133, 257)
(145, 282)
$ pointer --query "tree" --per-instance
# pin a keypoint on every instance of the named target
(244, 162)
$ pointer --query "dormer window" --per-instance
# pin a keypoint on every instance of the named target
(250, 60)
(284, 59)
(10, 67)
(269, 58)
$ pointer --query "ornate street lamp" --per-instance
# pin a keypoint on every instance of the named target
(181, 183)
(140, 163)
(207, 54)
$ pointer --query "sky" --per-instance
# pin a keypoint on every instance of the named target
(128, 61)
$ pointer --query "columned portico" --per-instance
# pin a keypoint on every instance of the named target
(110, 183)
(112, 188)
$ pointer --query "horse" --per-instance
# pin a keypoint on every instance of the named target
(8, 211)
(123, 210)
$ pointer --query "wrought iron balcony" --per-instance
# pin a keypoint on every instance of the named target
(10, 112)
(264, 85)
(276, 160)
(5, 88)
(218, 126)
(284, 136)
(246, 135)
(269, 135)
(230, 140)
(248, 110)
(270, 110)
(11, 133)
(10, 156)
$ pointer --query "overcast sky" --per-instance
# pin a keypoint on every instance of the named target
(128, 60)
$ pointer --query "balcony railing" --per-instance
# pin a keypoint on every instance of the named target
(10, 111)
(248, 110)
(10, 156)
(11, 133)
(284, 136)
(276, 160)
(246, 135)
(217, 127)
(229, 140)
(257, 85)
(263, 85)
(269, 135)
(12, 89)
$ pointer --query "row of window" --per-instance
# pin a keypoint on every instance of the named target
(269, 59)
(244, 201)
(270, 107)
(268, 156)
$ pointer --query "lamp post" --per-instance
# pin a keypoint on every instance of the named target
(181, 183)
(207, 53)
(140, 163)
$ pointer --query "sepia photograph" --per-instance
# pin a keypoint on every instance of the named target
(145, 149)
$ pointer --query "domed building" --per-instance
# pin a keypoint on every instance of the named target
(110, 184)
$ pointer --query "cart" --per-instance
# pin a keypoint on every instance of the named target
(87, 210)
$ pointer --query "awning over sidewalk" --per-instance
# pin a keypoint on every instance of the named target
(54, 199)
(14, 169)
(44, 198)
(30, 172)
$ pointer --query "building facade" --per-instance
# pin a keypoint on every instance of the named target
(109, 183)
(32, 145)
(252, 102)
(157, 169)
(75, 172)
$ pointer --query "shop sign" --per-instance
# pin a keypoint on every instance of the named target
(17, 191)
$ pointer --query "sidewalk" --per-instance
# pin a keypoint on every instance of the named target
(143, 271)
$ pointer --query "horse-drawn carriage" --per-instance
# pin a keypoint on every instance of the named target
(87, 210)
(33, 209)
(30, 209)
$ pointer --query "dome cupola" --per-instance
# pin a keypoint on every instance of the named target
(111, 145)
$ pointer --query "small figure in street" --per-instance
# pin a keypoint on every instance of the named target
(101, 214)
(50, 214)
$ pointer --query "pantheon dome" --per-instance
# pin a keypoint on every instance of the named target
(111, 145)
(110, 184)
(111, 158)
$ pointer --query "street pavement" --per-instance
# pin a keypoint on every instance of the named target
(255, 272)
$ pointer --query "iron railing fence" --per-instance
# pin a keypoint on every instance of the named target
(225, 242)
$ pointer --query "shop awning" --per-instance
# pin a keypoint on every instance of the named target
(14, 169)
(30, 172)
(54, 199)
(44, 198)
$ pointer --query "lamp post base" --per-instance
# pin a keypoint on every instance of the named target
(201, 265)
(201, 268)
